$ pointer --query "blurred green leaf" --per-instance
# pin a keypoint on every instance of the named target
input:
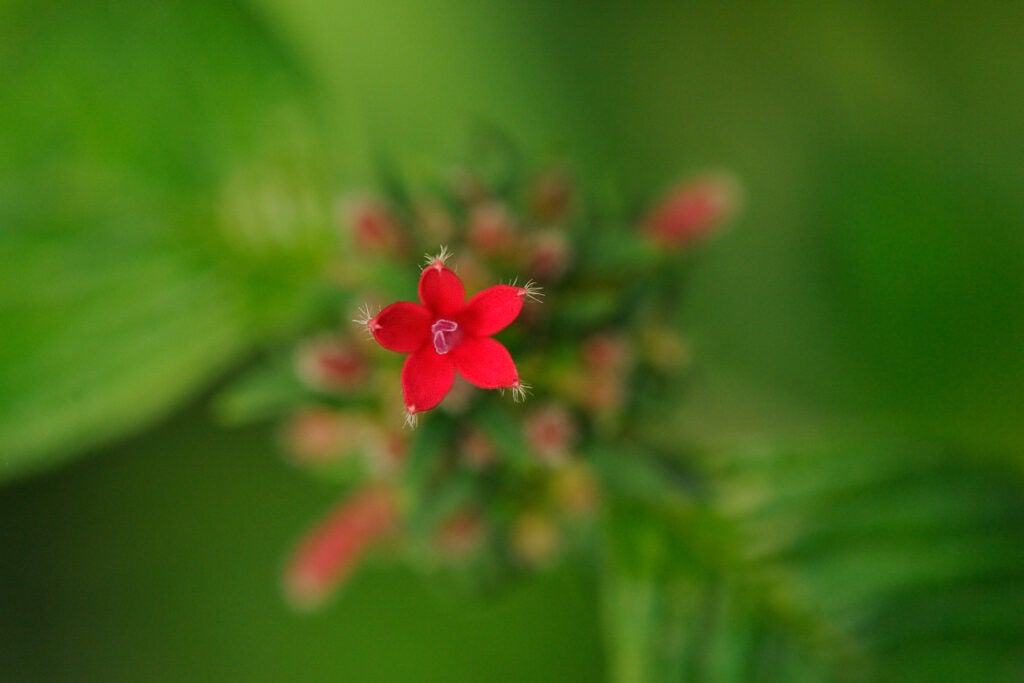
(836, 564)
(164, 203)
(266, 391)
(924, 277)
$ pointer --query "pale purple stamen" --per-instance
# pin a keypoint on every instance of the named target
(444, 335)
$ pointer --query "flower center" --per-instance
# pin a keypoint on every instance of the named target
(446, 335)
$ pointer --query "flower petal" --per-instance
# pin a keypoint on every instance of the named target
(426, 379)
(441, 290)
(492, 310)
(403, 327)
(485, 363)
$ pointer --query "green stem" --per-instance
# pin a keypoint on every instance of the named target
(629, 613)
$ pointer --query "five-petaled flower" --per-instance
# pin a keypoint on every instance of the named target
(446, 333)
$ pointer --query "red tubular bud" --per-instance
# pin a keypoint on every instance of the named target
(551, 433)
(607, 354)
(476, 449)
(314, 435)
(549, 254)
(328, 363)
(460, 535)
(373, 227)
(330, 551)
(491, 230)
(692, 211)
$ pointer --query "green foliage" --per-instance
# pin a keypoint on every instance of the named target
(166, 182)
(831, 564)
(163, 209)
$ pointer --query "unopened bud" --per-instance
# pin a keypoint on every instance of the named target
(490, 230)
(317, 436)
(329, 363)
(382, 450)
(548, 255)
(331, 550)
(476, 449)
(460, 535)
(692, 210)
(551, 433)
(607, 353)
(373, 227)
(388, 452)
(314, 436)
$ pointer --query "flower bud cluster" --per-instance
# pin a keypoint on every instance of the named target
(486, 487)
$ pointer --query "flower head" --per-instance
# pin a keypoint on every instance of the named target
(445, 334)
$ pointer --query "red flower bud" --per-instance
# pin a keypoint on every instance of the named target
(692, 210)
(548, 255)
(314, 436)
(331, 550)
(460, 535)
(476, 449)
(607, 354)
(491, 231)
(551, 433)
(328, 363)
(373, 227)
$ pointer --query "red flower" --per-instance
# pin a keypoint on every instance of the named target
(445, 333)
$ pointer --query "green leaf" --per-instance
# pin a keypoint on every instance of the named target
(820, 564)
(266, 391)
(164, 205)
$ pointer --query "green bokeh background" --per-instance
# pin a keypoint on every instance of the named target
(167, 177)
